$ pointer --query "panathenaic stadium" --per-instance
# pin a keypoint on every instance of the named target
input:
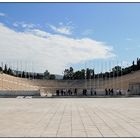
(31, 108)
(10, 85)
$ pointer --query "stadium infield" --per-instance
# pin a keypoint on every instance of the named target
(70, 117)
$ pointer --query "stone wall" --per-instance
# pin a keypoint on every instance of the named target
(134, 88)
(19, 93)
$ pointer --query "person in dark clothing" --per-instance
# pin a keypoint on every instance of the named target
(106, 92)
(84, 92)
(109, 91)
(95, 92)
(120, 93)
(69, 92)
(75, 91)
(62, 92)
(57, 92)
(112, 91)
(91, 91)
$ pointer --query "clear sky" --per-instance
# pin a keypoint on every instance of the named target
(55, 36)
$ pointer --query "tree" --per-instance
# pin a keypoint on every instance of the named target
(23, 74)
(88, 73)
(71, 73)
(82, 74)
(39, 76)
(27, 75)
(116, 68)
(107, 74)
(46, 74)
(1, 70)
(5, 69)
(138, 64)
(68, 73)
(9, 71)
(116, 71)
(133, 66)
(77, 75)
(92, 73)
(52, 77)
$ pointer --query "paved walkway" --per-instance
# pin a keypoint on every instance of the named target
(69, 117)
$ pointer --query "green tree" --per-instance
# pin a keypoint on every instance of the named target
(9, 71)
(23, 74)
(46, 74)
(88, 73)
(1, 70)
(71, 73)
(68, 73)
(5, 69)
(92, 73)
(116, 68)
(52, 77)
(133, 66)
(82, 74)
(138, 64)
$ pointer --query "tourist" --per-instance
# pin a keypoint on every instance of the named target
(109, 91)
(120, 93)
(69, 92)
(57, 92)
(75, 91)
(85, 92)
(95, 92)
(117, 91)
(106, 92)
(64, 92)
(61, 92)
(91, 91)
(112, 91)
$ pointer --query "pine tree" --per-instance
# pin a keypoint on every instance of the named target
(23, 74)
(1, 70)
(5, 69)
(9, 71)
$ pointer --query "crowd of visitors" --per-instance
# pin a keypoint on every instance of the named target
(86, 92)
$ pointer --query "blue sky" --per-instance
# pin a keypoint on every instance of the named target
(114, 25)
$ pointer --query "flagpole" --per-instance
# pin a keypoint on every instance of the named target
(85, 75)
(117, 76)
(17, 74)
(121, 76)
(109, 75)
(98, 75)
(113, 74)
(2, 75)
(102, 75)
